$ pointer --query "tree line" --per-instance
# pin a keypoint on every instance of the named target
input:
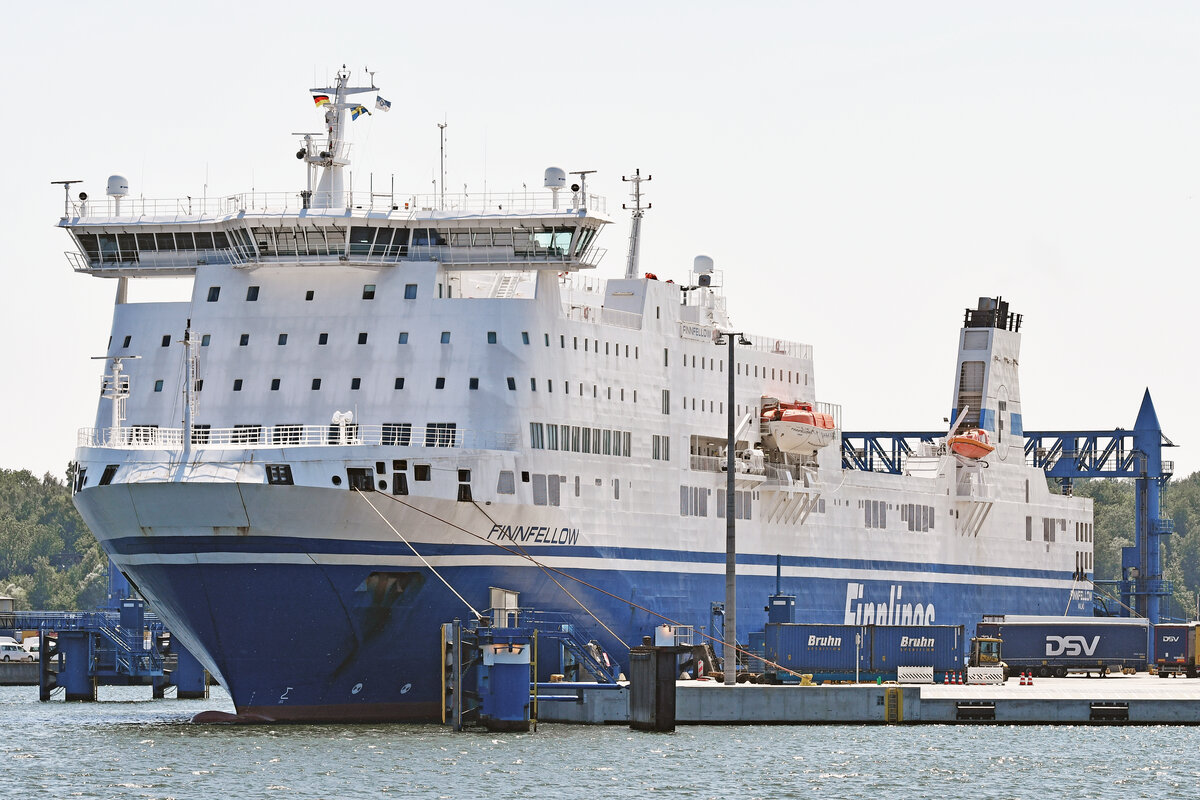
(50, 560)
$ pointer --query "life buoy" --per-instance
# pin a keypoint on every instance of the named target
(778, 346)
(586, 312)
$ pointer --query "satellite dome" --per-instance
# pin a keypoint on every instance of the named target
(118, 186)
(702, 265)
(556, 178)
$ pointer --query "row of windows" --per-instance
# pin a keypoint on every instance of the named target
(322, 339)
(1049, 526)
(355, 384)
(576, 439)
(919, 518)
(551, 494)
(693, 501)
(368, 293)
(719, 366)
(1083, 531)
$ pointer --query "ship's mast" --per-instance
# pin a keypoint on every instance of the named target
(334, 157)
(635, 226)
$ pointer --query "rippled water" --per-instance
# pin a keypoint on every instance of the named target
(131, 747)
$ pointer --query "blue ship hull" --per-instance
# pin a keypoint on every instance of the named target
(320, 642)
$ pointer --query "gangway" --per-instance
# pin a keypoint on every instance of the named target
(1066, 456)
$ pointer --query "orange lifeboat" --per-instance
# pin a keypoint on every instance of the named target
(973, 444)
(797, 428)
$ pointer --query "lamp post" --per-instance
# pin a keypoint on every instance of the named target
(729, 645)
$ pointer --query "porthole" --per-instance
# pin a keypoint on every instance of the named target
(337, 480)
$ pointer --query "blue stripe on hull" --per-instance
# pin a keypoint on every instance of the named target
(344, 642)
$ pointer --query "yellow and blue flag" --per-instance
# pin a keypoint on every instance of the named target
(358, 111)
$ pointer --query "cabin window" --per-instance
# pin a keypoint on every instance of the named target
(323, 338)
(399, 383)
(237, 384)
(244, 340)
(279, 474)
(316, 384)
(473, 384)
(214, 292)
(368, 291)
(410, 291)
(439, 383)
(403, 337)
(282, 339)
(158, 385)
(308, 296)
(491, 337)
(524, 337)
(205, 339)
(440, 434)
(445, 337)
(512, 384)
(355, 384)
(421, 472)
(274, 384)
(539, 489)
(251, 294)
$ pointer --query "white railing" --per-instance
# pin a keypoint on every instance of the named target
(765, 344)
(152, 260)
(602, 315)
(490, 204)
(718, 464)
(390, 435)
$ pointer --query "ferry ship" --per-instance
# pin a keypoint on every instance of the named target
(377, 413)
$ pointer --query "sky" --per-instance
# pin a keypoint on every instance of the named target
(860, 171)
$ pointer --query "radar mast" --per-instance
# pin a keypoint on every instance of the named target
(635, 226)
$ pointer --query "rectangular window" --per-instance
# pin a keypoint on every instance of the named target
(362, 338)
(506, 483)
(473, 384)
(237, 384)
(355, 384)
(308, 296)
(537, 435)
(251, 294)
(553, 485)
(158, 384)
(316, 384)
(205, 340)
(166, 341)
(539, 489)
(439, 383)
(403, 337)
(399, 483)
(512, 384)
(369, 291)
(421, 472)
(247, 434)
(274, 384)
(244, 340)
(666, 401)
(491, 337)
(445, 337)
(286, 434)
(282, 338)
(524, 337)
(441, 434)
(399, 383)
(126, 341)
(323, 338)
(533, 384)
(279, 474)
(410, 291)
(397, 434)
(214, 292)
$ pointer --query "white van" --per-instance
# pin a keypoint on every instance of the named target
(14, 652)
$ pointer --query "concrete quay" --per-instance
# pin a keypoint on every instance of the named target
(1117, 699)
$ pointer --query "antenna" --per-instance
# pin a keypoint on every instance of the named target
(635, 227)
(580, 189)
(66, 195)
(442, 162)
(116, 389)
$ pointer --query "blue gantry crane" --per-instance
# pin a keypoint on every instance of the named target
(1066, 456)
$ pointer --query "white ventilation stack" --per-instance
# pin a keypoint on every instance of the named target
(556, 178)
(118, 187)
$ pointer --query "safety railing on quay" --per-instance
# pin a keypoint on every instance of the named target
(483, 203)
(388, 435)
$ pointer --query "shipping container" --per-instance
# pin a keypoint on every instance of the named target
(1054, 646)
(1175, 648)
(843, 652)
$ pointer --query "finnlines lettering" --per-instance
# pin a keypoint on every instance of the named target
(889, 611)
(537, 534)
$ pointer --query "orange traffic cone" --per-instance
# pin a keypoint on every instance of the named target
(946, 678)
(958, 678)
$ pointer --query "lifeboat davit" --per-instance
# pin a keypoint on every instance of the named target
(797, 429)
(973, 444)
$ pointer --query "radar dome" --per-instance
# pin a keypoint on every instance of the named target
(118, 186)
(702, 265)
(556, 178)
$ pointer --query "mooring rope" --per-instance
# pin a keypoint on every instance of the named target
(548, 569)
(418, 555)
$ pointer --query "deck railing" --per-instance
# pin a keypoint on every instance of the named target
(137, 437)
(486, 203)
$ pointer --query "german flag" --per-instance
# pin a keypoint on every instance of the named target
(321, 100)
